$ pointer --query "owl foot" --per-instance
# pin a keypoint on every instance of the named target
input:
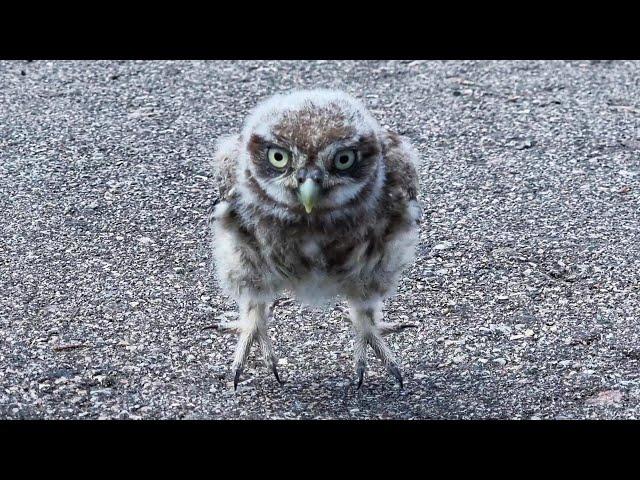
(395, 371)
(245, 341)
(268, 355)
(381, 350)
(246, 338)
(250, 327)
(238, 372)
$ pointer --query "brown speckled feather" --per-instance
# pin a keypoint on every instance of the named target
(225, 164)
(402, 177)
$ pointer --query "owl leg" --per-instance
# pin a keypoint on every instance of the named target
(369, 330)
(250, 327)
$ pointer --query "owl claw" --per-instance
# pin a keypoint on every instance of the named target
(275, 373)
(395, 371)
(236, 378)
(360, 370)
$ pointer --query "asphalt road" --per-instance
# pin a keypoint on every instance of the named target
(526, 286)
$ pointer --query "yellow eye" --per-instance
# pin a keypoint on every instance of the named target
(344, 159)
(278, 157)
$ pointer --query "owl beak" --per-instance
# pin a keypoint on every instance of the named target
(308, 194)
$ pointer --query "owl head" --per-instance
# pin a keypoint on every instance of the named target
(311, 152)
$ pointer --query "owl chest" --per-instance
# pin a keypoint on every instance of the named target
(316, 269)
(332, 258)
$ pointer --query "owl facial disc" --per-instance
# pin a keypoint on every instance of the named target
(308, 194)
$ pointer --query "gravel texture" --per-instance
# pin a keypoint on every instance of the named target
(526, 287)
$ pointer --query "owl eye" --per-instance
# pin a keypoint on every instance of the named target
(344, 159)
(278, 157)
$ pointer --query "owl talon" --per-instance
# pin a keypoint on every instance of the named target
(236, 378)
(275, 373)
(395, 371)
(360, 370)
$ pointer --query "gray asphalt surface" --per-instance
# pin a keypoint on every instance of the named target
(526, 286)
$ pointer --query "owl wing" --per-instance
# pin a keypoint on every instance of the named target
(401, 164)
(225, 162)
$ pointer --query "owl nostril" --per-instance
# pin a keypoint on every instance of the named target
(314, 174)
(301, 176)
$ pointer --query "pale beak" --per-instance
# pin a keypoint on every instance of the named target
(308, 194)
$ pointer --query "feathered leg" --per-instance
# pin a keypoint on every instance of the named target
(366, 318)
(250, 327)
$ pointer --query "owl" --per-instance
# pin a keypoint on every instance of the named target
(316, 199)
